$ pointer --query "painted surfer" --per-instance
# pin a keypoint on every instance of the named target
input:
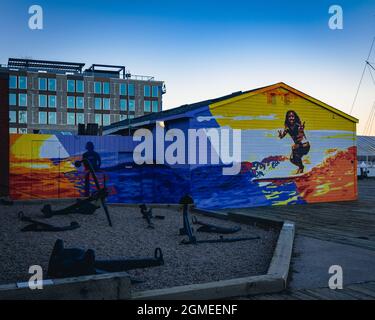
(296, 130)
(94, 158)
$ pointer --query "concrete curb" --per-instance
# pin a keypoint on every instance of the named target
(136, 205)
(282, 255)
(255, 219)
(215, 290)
(110, 286)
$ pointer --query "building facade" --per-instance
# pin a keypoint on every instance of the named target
(52, 96)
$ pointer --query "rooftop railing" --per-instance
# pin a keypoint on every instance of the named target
(85, 73)
(72, 68)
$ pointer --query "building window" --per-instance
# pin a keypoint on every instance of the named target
(80, 87)
(79, 102)
(147, 106)
(123, 104)
(52, 118)
(98, 87)
(98, 119)
(42, 101)
(106, 104)
(13, 82)
(51, 84)
(123, 117)
(22, 130)
(22, 82)
(22, 100)
(80, 118)
(12, 99)
(131, 90)
(287, 99)
(271, 98)
(105, 87)
(155, 91)
(147, 91)
(52, 101)
(155, 106)
(71, 119)
(71, 85)
(106, 119)
(71, 102)
(12, 130)
(43, 84)
(12, 116)
(22, 117)
(131, 105)
(98, 103)
(42, 117)
(131, 116)
(123, 89)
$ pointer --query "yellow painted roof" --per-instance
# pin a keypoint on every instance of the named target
(289, 88)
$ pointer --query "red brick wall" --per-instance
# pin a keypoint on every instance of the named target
(4, 133)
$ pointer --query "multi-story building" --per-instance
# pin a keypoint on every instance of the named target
(50, 96)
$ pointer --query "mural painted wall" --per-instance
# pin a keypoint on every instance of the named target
(293, 151)
(42, 167)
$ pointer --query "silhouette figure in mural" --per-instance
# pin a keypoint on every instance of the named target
(296, 129)
(94, 158)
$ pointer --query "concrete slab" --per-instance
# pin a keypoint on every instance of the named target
(110, 286)
(312, 259)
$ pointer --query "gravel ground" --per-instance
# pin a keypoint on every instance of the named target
(184, 264)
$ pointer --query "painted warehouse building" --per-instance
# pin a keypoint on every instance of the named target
(268, 146)
(294, 148)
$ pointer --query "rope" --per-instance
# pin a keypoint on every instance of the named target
(370, 121)
(359, 87)
(372, 76)
(363, 73)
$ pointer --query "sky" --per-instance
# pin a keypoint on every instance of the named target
(205, 49)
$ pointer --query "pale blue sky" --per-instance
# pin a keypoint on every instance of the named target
(204, 49)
